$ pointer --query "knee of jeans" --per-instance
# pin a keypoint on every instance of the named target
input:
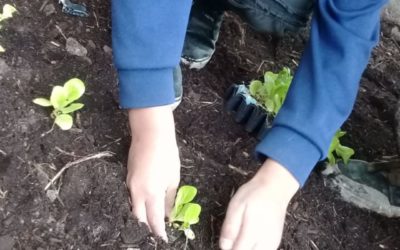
(274, 16)
(268, 23)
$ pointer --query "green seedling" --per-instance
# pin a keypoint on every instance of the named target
(271, 93)
(336, 149)
(62, 100)
(185, 213)
(8, 11)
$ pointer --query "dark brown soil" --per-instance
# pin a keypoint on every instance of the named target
(92, 210)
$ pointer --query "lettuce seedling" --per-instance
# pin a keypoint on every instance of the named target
(61, 99)
(185, 213)
(337, 149)
(8, 11)
(271, 93)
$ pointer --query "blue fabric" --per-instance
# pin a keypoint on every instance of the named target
(325, 85)
(147, 43)
(147, 39)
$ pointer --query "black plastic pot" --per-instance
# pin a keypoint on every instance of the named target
(247, 111)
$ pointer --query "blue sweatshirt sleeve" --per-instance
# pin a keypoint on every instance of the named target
(147, 39)
(324, 88)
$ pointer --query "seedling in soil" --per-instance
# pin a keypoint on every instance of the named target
(337, 150)
(185, 213)
(62, 100)
(272, 92)
(8, 11)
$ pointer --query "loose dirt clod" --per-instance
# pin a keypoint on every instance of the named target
(49, 9)
(4, 68)
(75, 48)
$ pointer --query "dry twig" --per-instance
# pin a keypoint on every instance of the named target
(3, 153)
(83, 159)
(238, 170)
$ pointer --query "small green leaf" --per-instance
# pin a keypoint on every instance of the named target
(185, 195)
(58, 97)
(284, 77)
(191, 213)
(42, 102)
(334, 144)
(74, 89)
(269, 105)
(189, 234)
(71, 108)
(255, 87)
(270, 77)
(331, 159)
(8, 11)
(277, 103)
(340, 133)
(64, 121)
(345, 153)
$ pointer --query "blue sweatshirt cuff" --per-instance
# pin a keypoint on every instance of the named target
(295, 152)
(146, 88)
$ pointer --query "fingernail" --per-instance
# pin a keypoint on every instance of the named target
(225, 244)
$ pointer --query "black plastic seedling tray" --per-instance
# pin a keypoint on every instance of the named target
(247, 111)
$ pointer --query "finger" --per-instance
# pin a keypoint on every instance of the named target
(170, 196)
(246, 239)
(263, 246)
(231, 226)
(155, 216)
(170, 199)
(139, 209)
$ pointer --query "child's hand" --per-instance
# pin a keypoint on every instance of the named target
(256, 213)
(153, 166)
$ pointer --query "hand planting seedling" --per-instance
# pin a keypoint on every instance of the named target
(185, 213)
(337, 149)
(61, 99)
(271, 93)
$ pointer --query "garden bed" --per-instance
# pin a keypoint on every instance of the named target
(92, 208)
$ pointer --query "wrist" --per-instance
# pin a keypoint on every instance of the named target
(153, 122)
(279, 179)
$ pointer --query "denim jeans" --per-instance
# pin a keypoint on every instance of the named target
(272, 16)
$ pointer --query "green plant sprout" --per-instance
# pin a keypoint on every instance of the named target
(61, 99)
(272, 92)
(8, 11)
(337, 149)
(185, 213)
